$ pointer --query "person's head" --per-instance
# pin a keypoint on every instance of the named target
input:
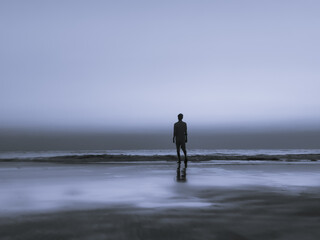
(180, 116)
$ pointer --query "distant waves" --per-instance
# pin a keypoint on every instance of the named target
(96, 158)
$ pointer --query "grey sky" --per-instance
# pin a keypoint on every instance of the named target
(139, 63)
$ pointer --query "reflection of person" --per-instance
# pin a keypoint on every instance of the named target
(181, 176)
(180, 137)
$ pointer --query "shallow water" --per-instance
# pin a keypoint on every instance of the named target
(42, 187)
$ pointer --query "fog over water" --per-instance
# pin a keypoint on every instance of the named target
(44, 141)
(115, 74)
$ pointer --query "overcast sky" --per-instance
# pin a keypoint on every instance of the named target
(111, 64)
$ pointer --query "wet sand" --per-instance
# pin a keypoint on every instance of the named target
(129, 200)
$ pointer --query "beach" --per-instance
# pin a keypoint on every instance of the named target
(101, 101)
(88, 198)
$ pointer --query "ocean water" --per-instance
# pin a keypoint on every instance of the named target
(155, 152)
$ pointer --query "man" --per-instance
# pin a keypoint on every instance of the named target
(180, 137)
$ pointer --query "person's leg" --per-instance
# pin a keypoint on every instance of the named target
(183, 146)
(178, 152)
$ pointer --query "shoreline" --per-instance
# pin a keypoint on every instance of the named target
(49, 200)
(141, 158)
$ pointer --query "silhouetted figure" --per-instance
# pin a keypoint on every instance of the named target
(181, 176)
(180, 137)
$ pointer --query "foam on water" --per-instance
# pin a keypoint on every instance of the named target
(161, 152)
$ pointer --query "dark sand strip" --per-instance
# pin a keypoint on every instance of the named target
(235, 214)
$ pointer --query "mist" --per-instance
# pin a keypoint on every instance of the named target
(105, 75)
(70, 140)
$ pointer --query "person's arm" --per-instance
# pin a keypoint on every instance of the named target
(186, 134)
(174, 133)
